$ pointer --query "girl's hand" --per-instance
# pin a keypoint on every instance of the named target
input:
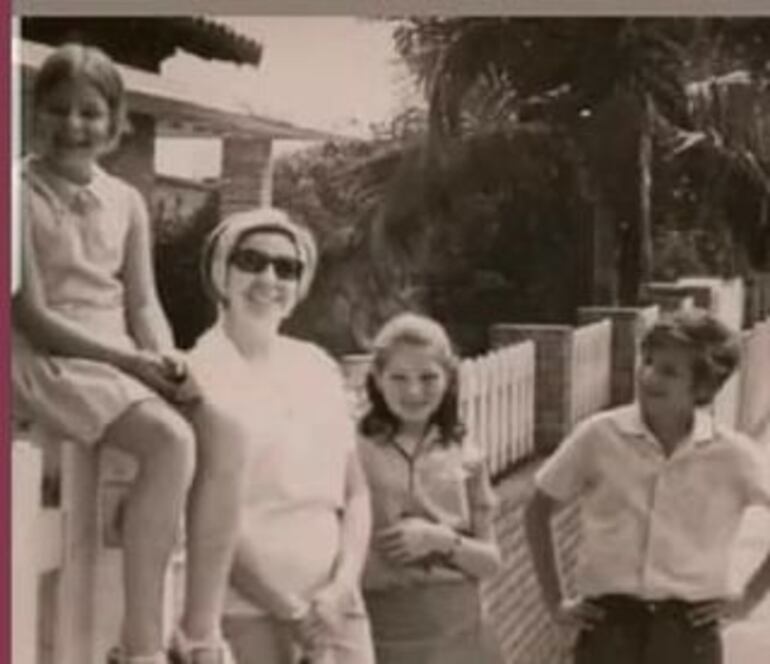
(175, 366)
(413, 538)
(187, 389)
(153, 370)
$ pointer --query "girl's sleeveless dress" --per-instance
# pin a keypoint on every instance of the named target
(424, 613)
(77, 236)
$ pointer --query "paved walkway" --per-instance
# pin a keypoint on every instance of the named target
(748, 641)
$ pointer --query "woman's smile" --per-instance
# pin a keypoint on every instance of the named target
(263, 300)
(263, 295)
(256, 283)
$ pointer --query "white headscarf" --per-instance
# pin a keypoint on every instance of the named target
(226, 237)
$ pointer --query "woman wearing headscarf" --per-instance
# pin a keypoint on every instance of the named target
(305, 519)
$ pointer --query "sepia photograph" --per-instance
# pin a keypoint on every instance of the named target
(396, 338)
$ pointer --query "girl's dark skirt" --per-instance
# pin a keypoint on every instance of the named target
(441, 623)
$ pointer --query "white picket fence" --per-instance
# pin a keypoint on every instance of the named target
(66, 558)
(752, 411)
(497, 404)
(53, 558)
(591, 367)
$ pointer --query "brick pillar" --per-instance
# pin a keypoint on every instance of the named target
(247, 178)
(704, 290)
(553, 376)
(628, 326)
(355, 366)
(134, 160)
(354, 369)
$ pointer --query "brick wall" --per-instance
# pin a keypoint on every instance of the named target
(246, 173)
(512, 598)
(628, 325)
(553, 357)
(135, 160)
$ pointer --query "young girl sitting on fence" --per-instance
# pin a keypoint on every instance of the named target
(433, 536)
(92, 353)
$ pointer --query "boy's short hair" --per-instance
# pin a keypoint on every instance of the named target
(716, 348)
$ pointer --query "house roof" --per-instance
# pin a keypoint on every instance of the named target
(182, 109)
(145, 41)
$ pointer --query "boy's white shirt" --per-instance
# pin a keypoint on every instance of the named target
(654, 526)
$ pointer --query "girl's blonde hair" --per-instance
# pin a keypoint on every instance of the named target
(74, 61)
(416, 330)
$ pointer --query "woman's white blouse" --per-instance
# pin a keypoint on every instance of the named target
(295, 415)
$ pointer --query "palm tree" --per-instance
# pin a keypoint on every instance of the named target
(601, 81)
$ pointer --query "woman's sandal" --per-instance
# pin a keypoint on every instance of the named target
(184, 650)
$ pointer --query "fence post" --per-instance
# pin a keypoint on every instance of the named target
(26, 479)
(628, 326)
(74, 607)
(553, 377)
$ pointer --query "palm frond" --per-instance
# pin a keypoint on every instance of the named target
(490, 68)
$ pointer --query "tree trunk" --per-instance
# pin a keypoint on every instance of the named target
(618, 146)
(638, 269)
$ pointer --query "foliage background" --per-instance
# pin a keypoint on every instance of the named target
(550, 155)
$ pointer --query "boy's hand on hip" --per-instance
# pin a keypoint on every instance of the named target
(578, 613)
(726, 610)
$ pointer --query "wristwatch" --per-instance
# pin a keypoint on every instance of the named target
(451, 553)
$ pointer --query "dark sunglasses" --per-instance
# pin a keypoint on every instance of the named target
(254, 261)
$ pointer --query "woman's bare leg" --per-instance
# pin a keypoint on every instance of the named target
(259, 640)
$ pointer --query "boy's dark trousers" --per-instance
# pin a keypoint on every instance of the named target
(635, 631)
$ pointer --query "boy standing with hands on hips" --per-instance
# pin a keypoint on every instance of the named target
(663, 488)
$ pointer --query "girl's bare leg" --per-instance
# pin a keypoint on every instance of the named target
(164, 446)
(213, 516)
